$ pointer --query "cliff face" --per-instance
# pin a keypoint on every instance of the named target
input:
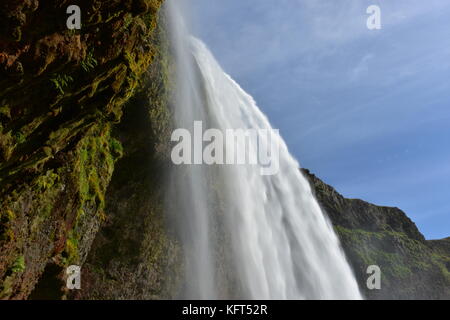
(411, 267)
(62, 96)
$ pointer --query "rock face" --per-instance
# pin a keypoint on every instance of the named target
(411, 267)
(62, 96)
(133, 255)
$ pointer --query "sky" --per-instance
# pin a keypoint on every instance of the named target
(367, 111)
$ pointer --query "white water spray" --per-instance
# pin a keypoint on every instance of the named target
(245, 235)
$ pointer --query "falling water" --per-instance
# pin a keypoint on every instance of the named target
(245, 235)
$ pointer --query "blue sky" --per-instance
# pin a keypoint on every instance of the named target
(368, 111)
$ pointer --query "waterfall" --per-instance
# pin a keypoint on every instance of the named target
(244, 234)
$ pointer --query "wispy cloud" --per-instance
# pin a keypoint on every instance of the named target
(362, 67)
(344, 97)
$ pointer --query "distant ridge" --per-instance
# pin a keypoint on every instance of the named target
(412, 267)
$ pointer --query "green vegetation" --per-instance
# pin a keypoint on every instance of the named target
(46, 181)
(7, 145)
(58, 109)
(71, 252)
(19, 265)
(128, 19)
(61, 81)
(5, 112)
(20, 137)
(116, 147)
(399, 257)
(89, 63)
(94, 166)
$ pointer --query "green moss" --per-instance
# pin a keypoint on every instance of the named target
(46, 181)
(400, 257)
(355, 235)
(5, 111)
(7, 145)
(6, 219)
(19, 265)
(71, 253)
(116, 148)
(89, 62)
(6, 287)
(128, 19)
(56, 147)
(61, 81)
(442, 261)
(17, 34)
(48, 151)
(48, 186)
(72, 32)
(95, 166)
(19, 137)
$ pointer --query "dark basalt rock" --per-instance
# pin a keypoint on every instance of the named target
(412, 267)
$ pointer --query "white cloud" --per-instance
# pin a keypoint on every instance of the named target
(361, 68)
